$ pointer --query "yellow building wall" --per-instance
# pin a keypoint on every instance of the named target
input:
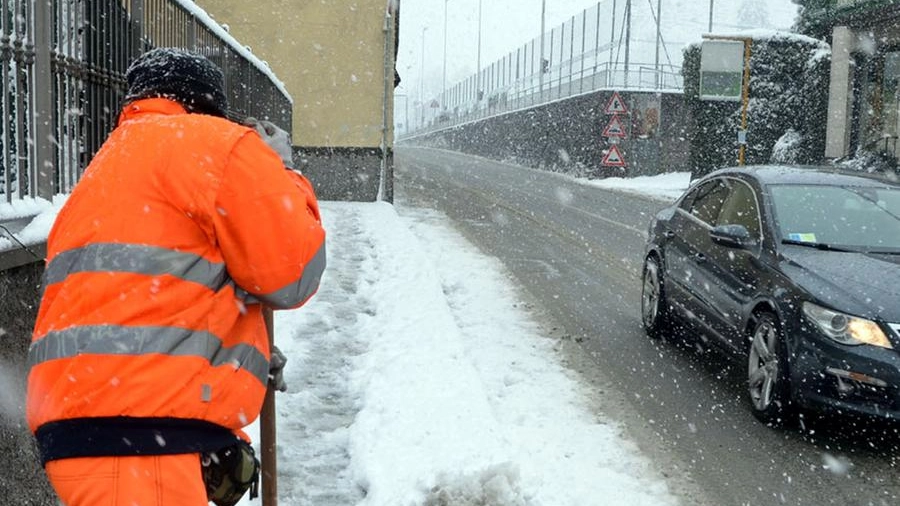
(329, 54)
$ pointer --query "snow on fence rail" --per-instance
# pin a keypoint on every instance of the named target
(62, 68)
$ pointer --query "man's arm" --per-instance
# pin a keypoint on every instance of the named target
(268, 226)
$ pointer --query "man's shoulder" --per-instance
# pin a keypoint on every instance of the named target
(215, 123)
(212, 127)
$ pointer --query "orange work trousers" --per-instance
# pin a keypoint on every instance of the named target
(155, 480)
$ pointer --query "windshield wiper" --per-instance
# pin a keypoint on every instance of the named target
(818, 245)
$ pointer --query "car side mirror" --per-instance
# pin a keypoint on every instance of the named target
(732, 236)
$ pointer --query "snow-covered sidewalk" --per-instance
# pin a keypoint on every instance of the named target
(417, 377)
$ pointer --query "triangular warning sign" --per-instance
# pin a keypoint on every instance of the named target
(615, 128)
(616, 105)
(613, 158)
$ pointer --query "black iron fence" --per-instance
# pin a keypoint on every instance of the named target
(62, 66)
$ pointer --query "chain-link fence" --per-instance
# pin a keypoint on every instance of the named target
(591, 51)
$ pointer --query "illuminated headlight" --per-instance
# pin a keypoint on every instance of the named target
(844, 328)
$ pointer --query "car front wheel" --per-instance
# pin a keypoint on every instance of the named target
(767, 372)
(654, 311)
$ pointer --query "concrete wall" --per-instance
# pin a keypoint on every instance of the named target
(22, 480)
(349, 174)
(567, 136)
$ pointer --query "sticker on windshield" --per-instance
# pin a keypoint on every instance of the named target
(802, 237)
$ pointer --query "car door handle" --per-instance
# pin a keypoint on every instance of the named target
(700, 257)
(668, 234)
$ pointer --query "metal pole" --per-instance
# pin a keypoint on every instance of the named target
(444, 82)
(386, 189)
(627, 40)
(612, 43)
(541, 75)
(478, 62)
(745, 99)
(583, 47)
(710, 15)
(658, 40)
(44, 168)
(422, 77)
(267, 431)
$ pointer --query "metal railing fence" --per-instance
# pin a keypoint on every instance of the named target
(586, 53)
(62, 65)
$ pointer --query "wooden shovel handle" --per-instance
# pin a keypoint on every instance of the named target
(267, 433)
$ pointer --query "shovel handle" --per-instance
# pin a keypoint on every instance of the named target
(267, 440)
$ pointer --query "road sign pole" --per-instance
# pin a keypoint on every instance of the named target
(745, 99)
(729, 55)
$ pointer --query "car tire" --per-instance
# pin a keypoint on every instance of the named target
(768, 381)
(654, 308)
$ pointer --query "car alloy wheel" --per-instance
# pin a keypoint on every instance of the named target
(654, 315)
(767, 372)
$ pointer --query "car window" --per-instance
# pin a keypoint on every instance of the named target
(855, 217)
(688, 199)
(740, 208)
(710, 197)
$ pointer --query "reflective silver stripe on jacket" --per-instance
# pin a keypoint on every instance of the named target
(122, 340)
(134, 258)
(303, 288)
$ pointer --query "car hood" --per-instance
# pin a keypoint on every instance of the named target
(862, 284)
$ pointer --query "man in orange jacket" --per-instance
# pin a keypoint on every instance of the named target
(150, 352)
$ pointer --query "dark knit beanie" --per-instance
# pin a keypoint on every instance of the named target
(188, 78)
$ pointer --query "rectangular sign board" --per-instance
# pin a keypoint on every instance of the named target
(721, 70)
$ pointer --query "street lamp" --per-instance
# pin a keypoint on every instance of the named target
(541, 70)
(478, 63)
(444, 82)
(658, 41)
(627, 40)
(422, 78)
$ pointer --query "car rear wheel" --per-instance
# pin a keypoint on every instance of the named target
(654, 309)
(767, 372)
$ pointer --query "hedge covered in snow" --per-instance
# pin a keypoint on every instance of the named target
(787, 110)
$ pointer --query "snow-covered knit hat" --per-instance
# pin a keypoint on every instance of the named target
(188, 78)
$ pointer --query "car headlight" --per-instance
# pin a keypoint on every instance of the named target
(844, 328)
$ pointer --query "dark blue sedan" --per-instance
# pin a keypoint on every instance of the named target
(794, 271)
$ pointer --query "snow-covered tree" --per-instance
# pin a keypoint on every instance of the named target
(812, 16)
(786, 110)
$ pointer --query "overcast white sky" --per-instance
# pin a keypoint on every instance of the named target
(509, 24)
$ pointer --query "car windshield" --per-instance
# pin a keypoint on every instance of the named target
(839, 217)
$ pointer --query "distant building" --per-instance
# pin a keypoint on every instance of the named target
(864, 95)
(336, 60)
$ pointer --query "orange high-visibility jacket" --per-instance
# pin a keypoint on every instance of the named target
(156, 264)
